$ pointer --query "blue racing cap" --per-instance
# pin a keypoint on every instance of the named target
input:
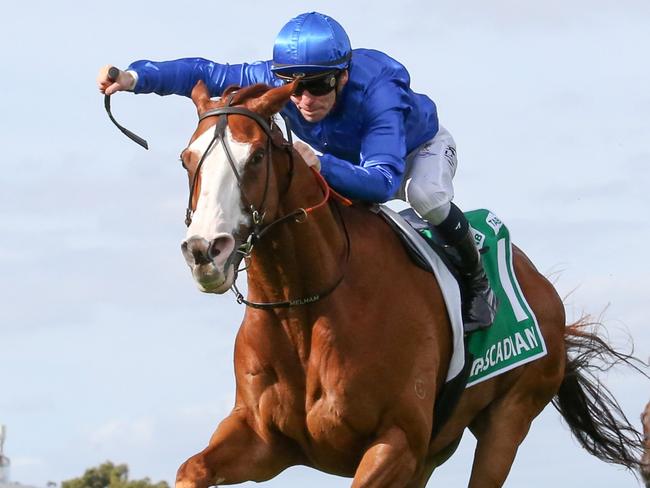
(310, 43)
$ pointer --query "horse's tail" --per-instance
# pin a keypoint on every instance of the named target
(593, 414)
(645, 463)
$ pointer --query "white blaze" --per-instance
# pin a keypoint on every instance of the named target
(218, 209)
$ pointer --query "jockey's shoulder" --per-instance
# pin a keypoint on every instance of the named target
(371, 66)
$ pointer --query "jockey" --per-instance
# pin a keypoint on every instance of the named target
(376, 138)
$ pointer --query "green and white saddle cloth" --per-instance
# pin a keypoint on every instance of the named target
(514, 339)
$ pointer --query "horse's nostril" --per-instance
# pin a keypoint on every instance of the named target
(214, 250)
(199, 251)
(195, 250)
(223, 244)
(200, 258)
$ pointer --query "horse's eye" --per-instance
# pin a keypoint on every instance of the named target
(257, 157)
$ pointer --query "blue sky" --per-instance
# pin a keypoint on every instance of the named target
(107, 350)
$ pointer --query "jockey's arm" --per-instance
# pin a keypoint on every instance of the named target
(383, 151)
(181, 75)
(375, 181)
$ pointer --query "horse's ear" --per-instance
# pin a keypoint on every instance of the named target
(200, 95)
(274, 100)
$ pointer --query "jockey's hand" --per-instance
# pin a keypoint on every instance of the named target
(125, 81)
(308, 154)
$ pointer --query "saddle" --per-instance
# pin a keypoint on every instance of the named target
(423, 243)
(514, 338)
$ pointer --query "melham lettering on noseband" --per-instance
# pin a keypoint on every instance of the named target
(346, 382)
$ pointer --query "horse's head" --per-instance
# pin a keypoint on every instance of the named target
(231, 162)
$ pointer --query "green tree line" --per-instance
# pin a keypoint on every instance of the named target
(109, 475)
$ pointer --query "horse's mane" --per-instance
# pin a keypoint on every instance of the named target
(246, 93)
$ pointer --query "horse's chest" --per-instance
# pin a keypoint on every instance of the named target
(336, 436)
(326, 420)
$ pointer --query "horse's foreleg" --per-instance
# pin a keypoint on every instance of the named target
(236, 453)
(389, 462)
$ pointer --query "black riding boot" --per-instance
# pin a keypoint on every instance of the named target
(479, 301)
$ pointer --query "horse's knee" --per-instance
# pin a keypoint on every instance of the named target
(196, 473)
(390, 461)
(191, 475)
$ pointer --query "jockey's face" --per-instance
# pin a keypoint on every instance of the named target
(315, 108)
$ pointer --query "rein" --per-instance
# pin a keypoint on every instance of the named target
(257, 214)
(113, 74)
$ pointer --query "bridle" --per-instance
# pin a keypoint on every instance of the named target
(258, 213)
(219, 136)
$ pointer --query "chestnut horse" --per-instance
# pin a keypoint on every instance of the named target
(345, 343)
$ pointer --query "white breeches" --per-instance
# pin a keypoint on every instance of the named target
(427, 184)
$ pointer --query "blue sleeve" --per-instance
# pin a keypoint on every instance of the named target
(375, 182)
(180, 76)
(383, 148)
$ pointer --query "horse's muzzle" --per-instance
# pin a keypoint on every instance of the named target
(210, 261)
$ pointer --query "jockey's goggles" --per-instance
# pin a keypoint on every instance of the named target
(318, 85)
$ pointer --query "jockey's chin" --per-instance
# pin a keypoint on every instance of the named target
(313, 116)
(210, 279)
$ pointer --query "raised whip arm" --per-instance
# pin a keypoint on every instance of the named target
(113, 74)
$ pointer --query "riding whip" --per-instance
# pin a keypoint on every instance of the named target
(113, 73)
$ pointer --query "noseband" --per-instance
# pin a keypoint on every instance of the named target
(258, 213)
(298, 215)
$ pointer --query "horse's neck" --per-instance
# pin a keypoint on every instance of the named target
(298, 259)
(295, 261)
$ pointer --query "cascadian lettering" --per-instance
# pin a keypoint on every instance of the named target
(506, 349)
